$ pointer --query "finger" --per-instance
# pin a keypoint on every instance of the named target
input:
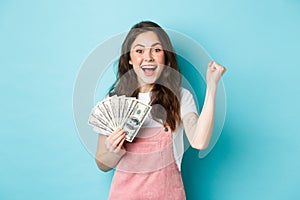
(118, 140)
(224, 69)
(221, 69)
(111, 138)
(112, 135)
(115, 131)
(120, 145)
(111, 142)
(115, 146)
(111, 146)
(213, 66)
(218, 66)
(210, 63)
(122, 141)
(118, 134)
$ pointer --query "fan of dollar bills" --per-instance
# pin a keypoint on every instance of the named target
(115, 112)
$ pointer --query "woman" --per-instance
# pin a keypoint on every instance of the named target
(149, 167)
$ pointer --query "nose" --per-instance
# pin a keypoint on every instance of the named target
(148, 55)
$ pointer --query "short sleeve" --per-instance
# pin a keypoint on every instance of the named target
(187, 103)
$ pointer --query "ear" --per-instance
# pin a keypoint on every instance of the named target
(130, 62)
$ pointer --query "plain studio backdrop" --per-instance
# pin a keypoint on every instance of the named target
(44, 43)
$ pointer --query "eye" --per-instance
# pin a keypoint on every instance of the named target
(139, 51)
(157, 50)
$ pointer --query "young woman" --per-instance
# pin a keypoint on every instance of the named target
(149, 167)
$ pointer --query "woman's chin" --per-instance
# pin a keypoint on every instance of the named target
(147, 81)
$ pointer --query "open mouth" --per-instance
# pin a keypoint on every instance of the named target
(148, 69)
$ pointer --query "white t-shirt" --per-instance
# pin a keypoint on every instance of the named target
(187, 105)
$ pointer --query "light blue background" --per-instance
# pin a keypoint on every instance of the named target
(43, 44)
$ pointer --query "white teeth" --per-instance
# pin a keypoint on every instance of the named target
(148, 67)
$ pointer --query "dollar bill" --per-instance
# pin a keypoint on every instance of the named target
(106, 115)
(120, 109)
(99, 123)
(135, 120)
(128, 107)
(114, 105)
(106, 104)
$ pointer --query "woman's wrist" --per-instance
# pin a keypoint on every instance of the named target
(211, 87)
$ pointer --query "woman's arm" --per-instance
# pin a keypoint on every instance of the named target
(199, 129)
(110, 150)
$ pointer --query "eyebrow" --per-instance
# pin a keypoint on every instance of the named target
(140, 45)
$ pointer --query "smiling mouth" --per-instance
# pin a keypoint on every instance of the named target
(148, 69)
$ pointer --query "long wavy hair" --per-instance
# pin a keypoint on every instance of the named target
(166, 89)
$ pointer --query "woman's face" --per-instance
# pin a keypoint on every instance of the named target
(147, 57)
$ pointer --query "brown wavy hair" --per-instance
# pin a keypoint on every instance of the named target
(166, 89)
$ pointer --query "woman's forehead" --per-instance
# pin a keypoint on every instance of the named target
(146, 39)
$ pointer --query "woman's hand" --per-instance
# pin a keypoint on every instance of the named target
(214, 73)
(114, 142)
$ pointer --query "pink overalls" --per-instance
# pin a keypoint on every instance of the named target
(148, 170)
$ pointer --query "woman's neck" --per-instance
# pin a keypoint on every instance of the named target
(145, 88)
